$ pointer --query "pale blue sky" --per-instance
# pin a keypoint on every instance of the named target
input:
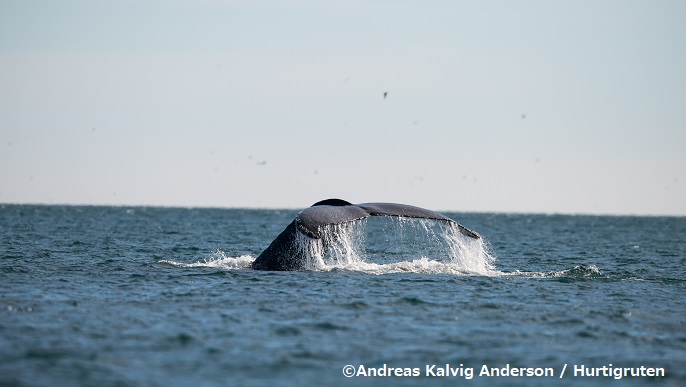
(516, 106)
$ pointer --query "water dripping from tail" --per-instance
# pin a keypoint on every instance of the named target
(340, 246)
(468, 253)
(430, 246)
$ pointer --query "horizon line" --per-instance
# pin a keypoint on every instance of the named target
(279, 208)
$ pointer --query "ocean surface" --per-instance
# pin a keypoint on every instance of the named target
(144, 296)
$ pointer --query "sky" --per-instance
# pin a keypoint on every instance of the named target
(500, 106)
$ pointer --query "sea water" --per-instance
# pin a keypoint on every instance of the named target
(142, 296)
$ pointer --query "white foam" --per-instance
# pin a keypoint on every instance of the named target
(218, 259)
(421, 265)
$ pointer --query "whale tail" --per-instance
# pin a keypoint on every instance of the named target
(284, 252)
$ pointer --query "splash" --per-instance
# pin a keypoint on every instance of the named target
(470, 254)
(340, 245)
(382, 245)
(396, 245)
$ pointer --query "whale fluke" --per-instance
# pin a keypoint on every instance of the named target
(283, 253)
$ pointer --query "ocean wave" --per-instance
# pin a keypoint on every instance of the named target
(577, 272)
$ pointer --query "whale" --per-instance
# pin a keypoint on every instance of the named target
(285, 254)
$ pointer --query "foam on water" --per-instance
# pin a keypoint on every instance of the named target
(217, 259)
(401, 245)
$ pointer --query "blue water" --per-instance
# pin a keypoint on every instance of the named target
(166, 297)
